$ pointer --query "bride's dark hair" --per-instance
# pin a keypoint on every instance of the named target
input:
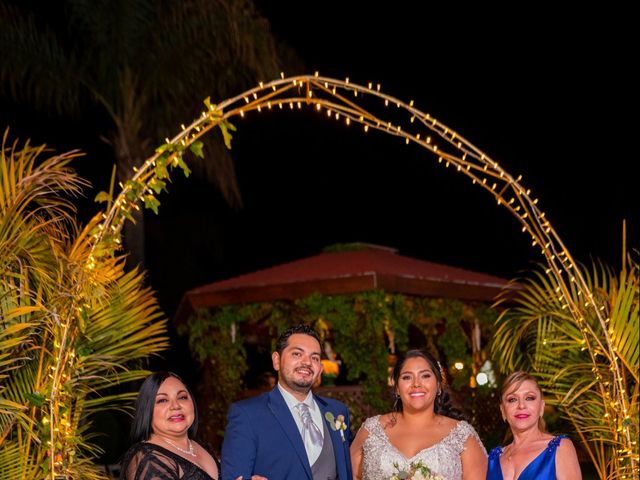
(443, 404)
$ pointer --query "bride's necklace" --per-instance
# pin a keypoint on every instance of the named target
(186, 452)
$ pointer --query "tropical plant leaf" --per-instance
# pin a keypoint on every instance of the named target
(586, 370)
(71, 328)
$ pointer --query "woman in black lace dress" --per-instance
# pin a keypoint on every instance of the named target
(163, 429)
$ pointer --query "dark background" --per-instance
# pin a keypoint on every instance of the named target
(546, 92)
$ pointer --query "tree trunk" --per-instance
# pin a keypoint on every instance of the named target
(131, 149)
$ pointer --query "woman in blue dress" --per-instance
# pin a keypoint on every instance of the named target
(533, 453)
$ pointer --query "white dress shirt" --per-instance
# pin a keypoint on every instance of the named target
(313, 451)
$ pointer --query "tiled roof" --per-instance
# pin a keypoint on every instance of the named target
(345, 272)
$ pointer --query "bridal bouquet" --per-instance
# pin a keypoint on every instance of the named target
(416, 471)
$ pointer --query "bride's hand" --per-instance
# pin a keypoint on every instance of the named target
(254, 477)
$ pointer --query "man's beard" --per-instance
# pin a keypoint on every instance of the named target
(299, 384)
(303, 383)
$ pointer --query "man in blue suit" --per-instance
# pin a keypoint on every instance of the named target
(289, 433)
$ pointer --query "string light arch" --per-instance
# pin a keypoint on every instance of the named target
(342, 100)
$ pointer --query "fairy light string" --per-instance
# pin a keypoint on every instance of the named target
(343, 101)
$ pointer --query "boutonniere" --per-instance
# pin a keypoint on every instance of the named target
(336, 423)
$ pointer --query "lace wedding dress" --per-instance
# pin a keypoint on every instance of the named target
(442, 458)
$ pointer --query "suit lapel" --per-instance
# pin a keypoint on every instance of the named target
(281, 411)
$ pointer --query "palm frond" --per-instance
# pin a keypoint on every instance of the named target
(578, 365)
(71, 330)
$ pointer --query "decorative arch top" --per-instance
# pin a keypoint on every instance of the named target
(371, 109)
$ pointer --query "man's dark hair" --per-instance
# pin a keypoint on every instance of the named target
(143, 415)
(305, 329)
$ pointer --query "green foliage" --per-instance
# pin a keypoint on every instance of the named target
(71, 327)
(345, 247)
(215, 342)
(367, 358)
(152, 56)
(365, 328)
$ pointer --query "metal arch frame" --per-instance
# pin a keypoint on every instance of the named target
(338, 99)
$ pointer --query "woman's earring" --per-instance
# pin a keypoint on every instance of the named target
(395, 403)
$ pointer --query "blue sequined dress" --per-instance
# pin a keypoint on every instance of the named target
(543, 467)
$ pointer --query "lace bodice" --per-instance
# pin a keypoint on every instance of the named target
(443, 458)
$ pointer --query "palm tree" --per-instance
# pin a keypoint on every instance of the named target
(145, 63)
(574, 363)
(70, 330)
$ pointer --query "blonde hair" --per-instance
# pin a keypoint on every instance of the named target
(513, 382)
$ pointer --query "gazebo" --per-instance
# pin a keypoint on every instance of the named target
(364, 299)
(360, 268)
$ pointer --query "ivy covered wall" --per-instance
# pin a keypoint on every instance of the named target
(365, 330)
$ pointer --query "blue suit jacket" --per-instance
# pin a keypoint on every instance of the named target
(262, 438)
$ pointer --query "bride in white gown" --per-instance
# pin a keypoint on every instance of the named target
(423, 429)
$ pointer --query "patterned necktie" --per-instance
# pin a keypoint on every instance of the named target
(309, 429)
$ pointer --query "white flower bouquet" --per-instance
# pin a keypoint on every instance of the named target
(416, 471)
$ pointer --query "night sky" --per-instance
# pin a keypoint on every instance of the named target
(548, 94)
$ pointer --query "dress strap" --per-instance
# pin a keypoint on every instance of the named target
(495, 453)
(554, 442)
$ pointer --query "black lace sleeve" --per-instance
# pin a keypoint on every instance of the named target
(146, 461)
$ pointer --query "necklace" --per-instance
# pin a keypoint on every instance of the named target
(186, 452)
